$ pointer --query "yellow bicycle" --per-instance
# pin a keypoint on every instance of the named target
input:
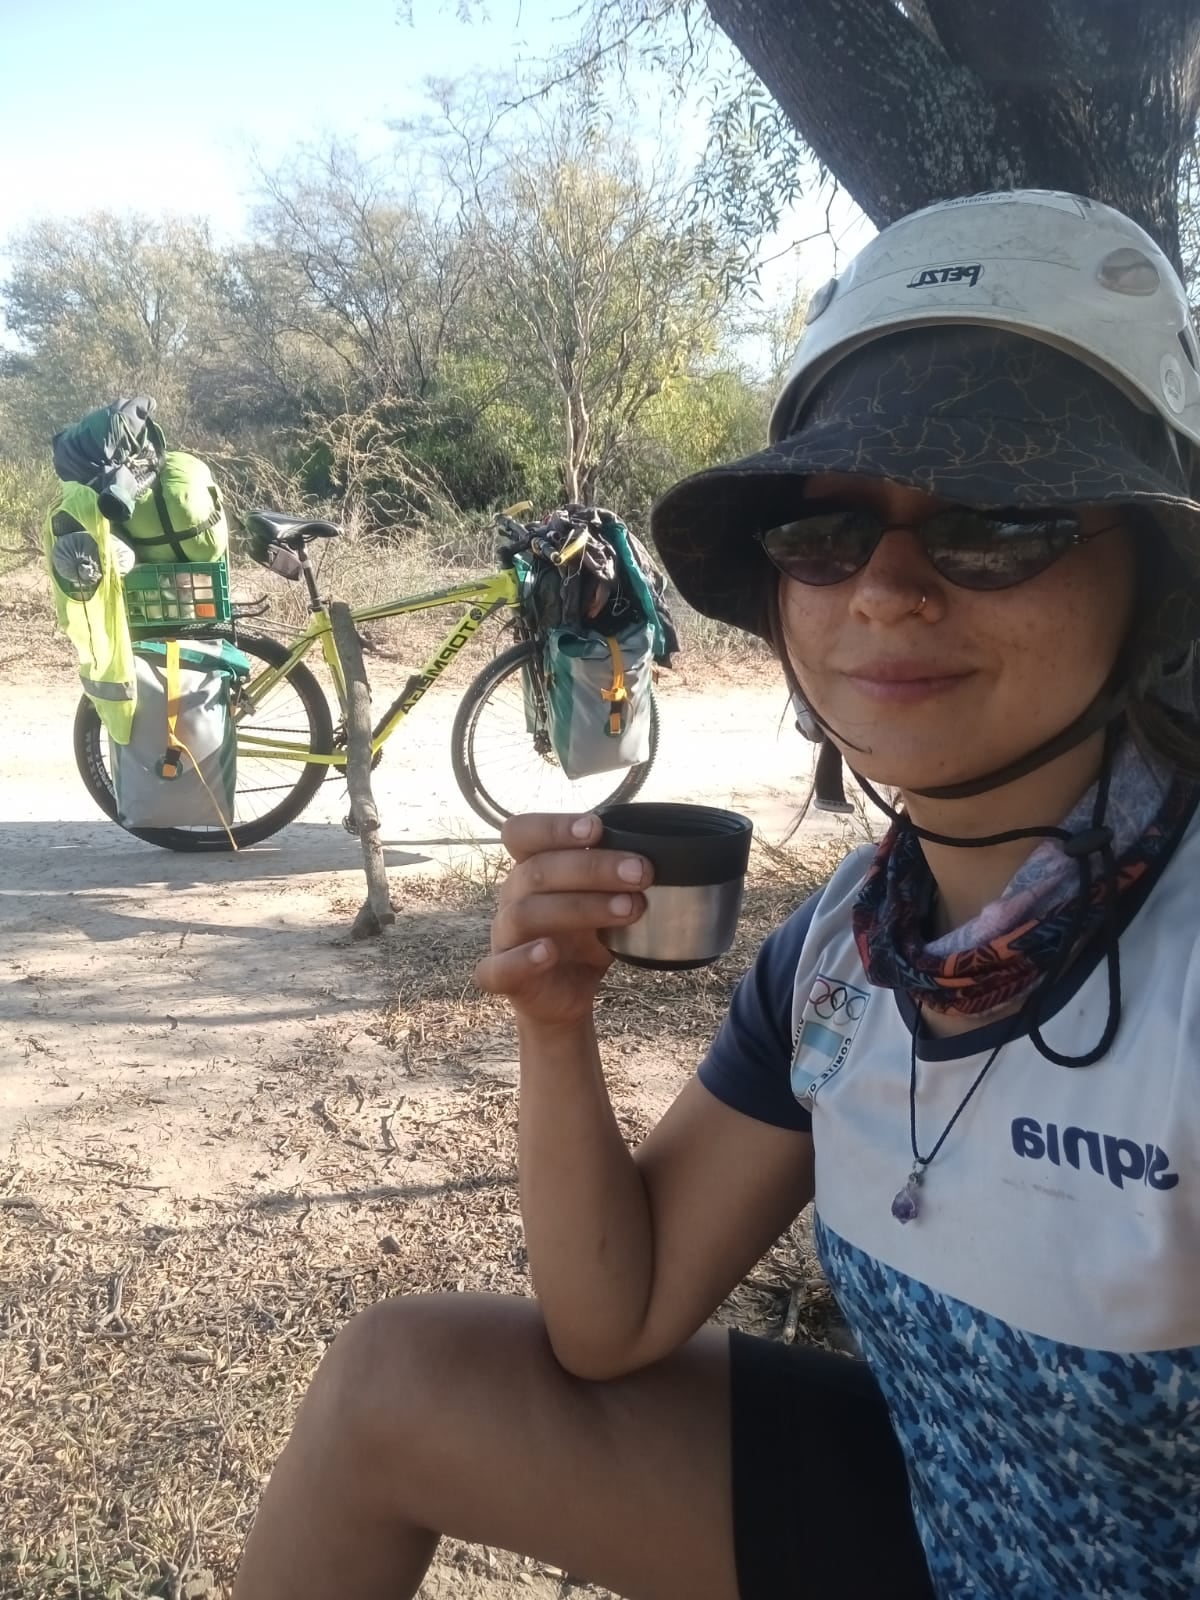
(288, 742)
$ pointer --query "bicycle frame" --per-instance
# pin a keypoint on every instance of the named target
(483, 598)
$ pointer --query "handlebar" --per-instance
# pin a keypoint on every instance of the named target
(507, 528)
(573, 547)
(584, 520)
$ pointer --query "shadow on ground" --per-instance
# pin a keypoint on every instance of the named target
(36, 856)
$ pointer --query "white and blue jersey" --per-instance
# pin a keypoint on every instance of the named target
(1036, 1329)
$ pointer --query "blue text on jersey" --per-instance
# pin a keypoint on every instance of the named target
(1115, 1158)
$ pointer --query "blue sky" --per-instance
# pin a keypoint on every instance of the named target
(111, 105)
(108, 105)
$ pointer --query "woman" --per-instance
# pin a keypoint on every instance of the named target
(974, 546)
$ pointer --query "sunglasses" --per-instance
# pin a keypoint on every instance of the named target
(829, 542)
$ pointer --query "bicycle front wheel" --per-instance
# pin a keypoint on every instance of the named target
(271, 790)
(503, 769)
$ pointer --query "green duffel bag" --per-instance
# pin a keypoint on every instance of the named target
(180, 517)
(599, 694)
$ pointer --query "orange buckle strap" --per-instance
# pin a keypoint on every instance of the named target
(618, 695)
(172, 762)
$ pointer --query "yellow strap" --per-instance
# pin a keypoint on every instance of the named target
(618, 692)
(176, 746)
(574, 546)
(173, 696)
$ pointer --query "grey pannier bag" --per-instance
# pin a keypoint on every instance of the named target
(599, 697)
(179, 768)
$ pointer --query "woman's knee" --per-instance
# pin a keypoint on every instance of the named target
(449, 1413)
(398, 1371)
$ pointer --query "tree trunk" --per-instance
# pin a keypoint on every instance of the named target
(376, 911)
(951, 97)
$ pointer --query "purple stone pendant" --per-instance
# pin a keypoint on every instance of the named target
(905, 1206)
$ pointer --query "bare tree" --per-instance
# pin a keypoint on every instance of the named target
(602, 279)
(101, 305)
(377, 277)
(392, 342)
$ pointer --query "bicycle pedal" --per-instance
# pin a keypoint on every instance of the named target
(350, 823)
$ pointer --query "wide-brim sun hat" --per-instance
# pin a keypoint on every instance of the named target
(1070, 379)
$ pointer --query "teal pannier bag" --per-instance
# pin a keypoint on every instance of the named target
(599, 690)
(179, 768)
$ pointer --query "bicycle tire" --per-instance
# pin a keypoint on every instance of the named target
(91, 757)
(585, 794)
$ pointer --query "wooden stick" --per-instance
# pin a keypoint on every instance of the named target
(376, 911)
(791, 1322)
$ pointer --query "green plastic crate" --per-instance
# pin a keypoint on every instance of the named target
(189, 594)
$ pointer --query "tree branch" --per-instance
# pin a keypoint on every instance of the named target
(871, 94)
(376, 912)
(1095, 96)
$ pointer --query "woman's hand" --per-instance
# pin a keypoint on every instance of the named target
(546, 953)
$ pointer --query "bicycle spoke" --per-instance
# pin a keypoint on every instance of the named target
(509, 772)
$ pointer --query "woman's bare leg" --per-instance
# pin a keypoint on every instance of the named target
(449, 1414)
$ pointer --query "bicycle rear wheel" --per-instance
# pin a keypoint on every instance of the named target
(503, 769)
(271, 791)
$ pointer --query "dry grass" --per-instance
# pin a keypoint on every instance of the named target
(27, 487)
(149, 1371)
(30, 642)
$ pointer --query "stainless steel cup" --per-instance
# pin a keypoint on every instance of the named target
(699, 855)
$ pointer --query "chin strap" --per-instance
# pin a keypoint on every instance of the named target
(828, 791)
(1095, 840)
(1104, 710)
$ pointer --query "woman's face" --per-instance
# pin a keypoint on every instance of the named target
(922, 695)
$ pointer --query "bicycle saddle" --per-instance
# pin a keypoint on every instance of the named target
(276, 527)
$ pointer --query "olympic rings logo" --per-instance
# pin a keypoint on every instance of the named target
(829, 999)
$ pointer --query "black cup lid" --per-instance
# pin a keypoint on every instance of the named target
(686, 844)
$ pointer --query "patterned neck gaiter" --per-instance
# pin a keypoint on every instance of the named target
(1001, 955)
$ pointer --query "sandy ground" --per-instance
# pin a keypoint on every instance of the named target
(133, 974)
(194, 1043)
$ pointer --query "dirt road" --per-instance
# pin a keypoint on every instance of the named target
(133, 970)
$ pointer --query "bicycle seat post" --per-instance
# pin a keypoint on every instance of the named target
(310, 578)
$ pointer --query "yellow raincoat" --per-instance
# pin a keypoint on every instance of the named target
(98, 628)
